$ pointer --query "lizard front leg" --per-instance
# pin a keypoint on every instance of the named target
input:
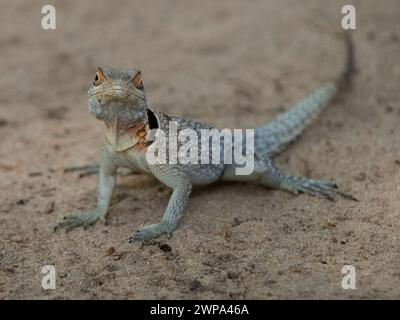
(107, 171)
(182, 187)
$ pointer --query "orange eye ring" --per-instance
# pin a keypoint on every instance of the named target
(99, 78)
(137, 81)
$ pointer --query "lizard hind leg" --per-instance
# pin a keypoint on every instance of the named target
(91, 169)
(268, 174)
(84, 170)
(327, 189)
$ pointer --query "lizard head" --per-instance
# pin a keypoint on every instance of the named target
(117, 97)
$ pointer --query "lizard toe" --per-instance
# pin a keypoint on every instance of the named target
(147, 232)
(75, 221)
(313, 187)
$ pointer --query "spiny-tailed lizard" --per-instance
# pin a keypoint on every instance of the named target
(118, 99)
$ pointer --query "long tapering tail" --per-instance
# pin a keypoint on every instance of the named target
(276, 135)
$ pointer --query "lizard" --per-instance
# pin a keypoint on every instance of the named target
(117, 97)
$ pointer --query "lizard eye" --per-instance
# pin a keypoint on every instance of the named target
(99, 78)
(137, 81)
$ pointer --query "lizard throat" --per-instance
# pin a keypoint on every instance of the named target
(123, 137)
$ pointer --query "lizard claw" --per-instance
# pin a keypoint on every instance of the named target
(314, 187)
(148, 232)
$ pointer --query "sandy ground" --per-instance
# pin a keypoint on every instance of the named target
(232, 64)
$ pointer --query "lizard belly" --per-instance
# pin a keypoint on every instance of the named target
(202, 174)
(199, 174)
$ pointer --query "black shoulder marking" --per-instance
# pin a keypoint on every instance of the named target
(153, 123)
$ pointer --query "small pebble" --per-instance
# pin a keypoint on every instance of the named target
(194, 285)
(165, 247)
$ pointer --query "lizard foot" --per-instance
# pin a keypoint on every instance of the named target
(85, 219)
(148, 232)
(313, 187)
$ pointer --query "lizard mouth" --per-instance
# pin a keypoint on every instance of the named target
(118, 94)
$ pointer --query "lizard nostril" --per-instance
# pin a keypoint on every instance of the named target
(99, 101)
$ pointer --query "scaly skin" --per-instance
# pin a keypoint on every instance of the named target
(117, 98)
